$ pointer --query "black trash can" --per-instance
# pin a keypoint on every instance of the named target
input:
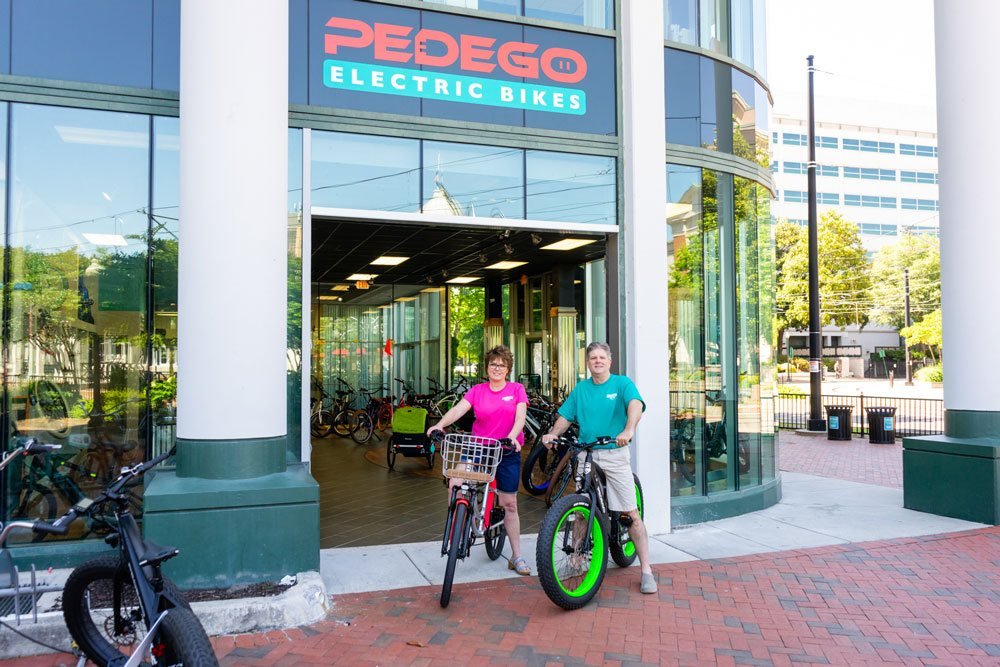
(838, 422)
(881, 425)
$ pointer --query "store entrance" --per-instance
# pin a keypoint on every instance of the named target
(400, 309)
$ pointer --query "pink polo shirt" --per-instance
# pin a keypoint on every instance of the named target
(495, 410)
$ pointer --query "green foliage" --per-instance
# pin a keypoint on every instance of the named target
(930, 374)
(919, 254)
(791, 390)
(843, 273)
(467, 311)
(925, 332)
(163, 392)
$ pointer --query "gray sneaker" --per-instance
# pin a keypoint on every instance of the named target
(648, 584)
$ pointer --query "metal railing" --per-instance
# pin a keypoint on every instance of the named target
(914, 416)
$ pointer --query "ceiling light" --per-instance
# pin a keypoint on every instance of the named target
(506, 265)
(568, 244)
(329, 297)
(432, 290)
(404, 299)
(371, 311)
(362, 284)
(389, 260)
(577, 282)
(340, 288)
(463, 280)
(362, 276)
(105, 239)
(384, 306)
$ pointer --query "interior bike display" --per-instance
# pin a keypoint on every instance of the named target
(540, 463)
(371, 417)
(121, 605)
(578, 532)
(443, 399)
(474, 509)
(343, 415)
(320, 417)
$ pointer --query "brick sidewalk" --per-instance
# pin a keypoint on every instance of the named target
(919, 601)
(856, 460)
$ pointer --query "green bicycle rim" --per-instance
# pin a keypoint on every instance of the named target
(629, 547)
(596, 554)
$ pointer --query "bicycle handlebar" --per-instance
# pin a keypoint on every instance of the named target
(573, 442)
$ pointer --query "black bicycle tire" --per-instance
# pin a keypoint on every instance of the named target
(364, 428)
(184, 640)
(321, 423)
(390, 455)
(79, 623)
(343, 424)
(457, 537)
(564, 472)
(547, 536)
(537, 457)
(494, 544)
(619, 552)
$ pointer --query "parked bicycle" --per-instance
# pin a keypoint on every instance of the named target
(474, 509)
(578, 532)
(375, 416)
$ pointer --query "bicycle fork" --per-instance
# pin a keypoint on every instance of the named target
(459, 495)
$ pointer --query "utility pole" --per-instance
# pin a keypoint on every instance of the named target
(816, 421)
(906, 309)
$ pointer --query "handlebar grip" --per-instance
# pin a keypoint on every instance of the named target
(42, 527)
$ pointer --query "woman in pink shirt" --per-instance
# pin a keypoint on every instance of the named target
(499, 407)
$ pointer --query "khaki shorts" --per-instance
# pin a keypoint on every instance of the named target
(617, 467)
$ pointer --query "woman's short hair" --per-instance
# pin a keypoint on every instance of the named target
(599, 346)
(503, 353)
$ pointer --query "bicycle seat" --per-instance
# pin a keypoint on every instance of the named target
(154, 553)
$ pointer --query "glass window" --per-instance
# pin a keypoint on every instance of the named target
(852, 145)
(826, 142)
(365, 172)
(715, 25)
(563, 187)
(78, 262)
(716, 106)
(483, 181)
(793, 139)
(852, 200)
(827, 170)
(594, 13)
(167, 44)
(744, 112)
(686, 274)
(795, 167)
(106, 42)
(298, 52)
(680, 21)
(828, 198)
(748, 292)
(683, 99)
(796, 196)
(742, 30)
(294, 315)
(760, 37)
(5, 36)
(499, 6)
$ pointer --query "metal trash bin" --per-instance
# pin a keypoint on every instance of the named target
(881, 425)
(838, 422)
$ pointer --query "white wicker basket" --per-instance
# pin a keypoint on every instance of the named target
(470, 457)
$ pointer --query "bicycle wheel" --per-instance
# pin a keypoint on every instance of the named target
(343, 422)
(496, 536)
(571, 558)
(620, 543)
(537, 469)
(384, 420)
(390, 454)
(38, 504)
(560, 480)
(458, 533)
(320, 423)
(363, 427)
(102, 631)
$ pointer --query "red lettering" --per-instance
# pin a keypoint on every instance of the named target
(514, 63)
(563, 73)
(427, 36)
(362, 39)
(476, 53)
(388, 36)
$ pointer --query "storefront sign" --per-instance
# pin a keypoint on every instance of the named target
(364, 54)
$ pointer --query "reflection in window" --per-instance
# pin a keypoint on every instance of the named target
(680, 21)
(77, 340)
(563, 187)
(745, 130)
(593, 13)
(686, 266)
(748, 293)
(715, 25)
(483, 181)
(683, 98)
(365, 172)
(743, 37)
(293, 352)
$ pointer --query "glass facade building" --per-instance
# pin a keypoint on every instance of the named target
(92, 226)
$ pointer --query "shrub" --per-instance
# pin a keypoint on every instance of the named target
(791, 390)
(930, 374)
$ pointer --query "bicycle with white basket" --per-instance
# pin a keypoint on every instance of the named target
(470, 463)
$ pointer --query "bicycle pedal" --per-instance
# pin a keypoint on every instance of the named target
(625, 520)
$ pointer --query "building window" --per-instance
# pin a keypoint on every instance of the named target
(910, 204)
(826, 142)
(828, 198)
(870, 174)
(827, 170)
(680, 21)
(792, 139)
(478, 181)
(918, 177)
(795, 167)
(593, 13)
(715, 25)
(365, 172)
(852, 145)
(796, 196)
(563, 187)
(774, 167)
(918, 150)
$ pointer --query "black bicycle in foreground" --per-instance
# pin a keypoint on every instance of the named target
(120, 609)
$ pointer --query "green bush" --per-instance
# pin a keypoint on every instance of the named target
(791, 390)
(930, 374)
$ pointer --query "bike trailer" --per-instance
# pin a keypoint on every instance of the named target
(409, 437)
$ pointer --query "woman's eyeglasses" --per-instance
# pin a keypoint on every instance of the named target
(500, 366)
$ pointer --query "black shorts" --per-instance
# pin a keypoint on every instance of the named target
(509, 472)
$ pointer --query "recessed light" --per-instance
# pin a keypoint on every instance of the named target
(340, 288)
(389, 260)
(432, 290)
(329, 297)
(506, 265)
(404, 299)
(463, 280)
(362, 276)
(568, 244)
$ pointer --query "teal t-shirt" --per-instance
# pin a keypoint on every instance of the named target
(600, 409)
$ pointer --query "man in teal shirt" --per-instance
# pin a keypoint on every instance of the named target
(610, 405)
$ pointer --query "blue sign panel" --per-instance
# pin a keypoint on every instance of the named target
(834, 423)
(419, 62)
(887, 423)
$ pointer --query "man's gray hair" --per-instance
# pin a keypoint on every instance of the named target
(598, 346)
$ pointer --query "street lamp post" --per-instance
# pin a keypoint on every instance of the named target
(816, 421)
(906, 311)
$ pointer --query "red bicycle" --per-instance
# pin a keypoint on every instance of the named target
(470, 463)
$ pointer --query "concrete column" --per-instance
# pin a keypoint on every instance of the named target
(232, 507)
(958, 474)
(645, 252)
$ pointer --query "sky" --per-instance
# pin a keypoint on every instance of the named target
(879, 55)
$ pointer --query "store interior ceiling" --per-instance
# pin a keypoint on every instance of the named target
(435, 255)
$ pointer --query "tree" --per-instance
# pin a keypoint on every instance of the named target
(925, 332)
(467, 310)
(844, 278)
(919, 254)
